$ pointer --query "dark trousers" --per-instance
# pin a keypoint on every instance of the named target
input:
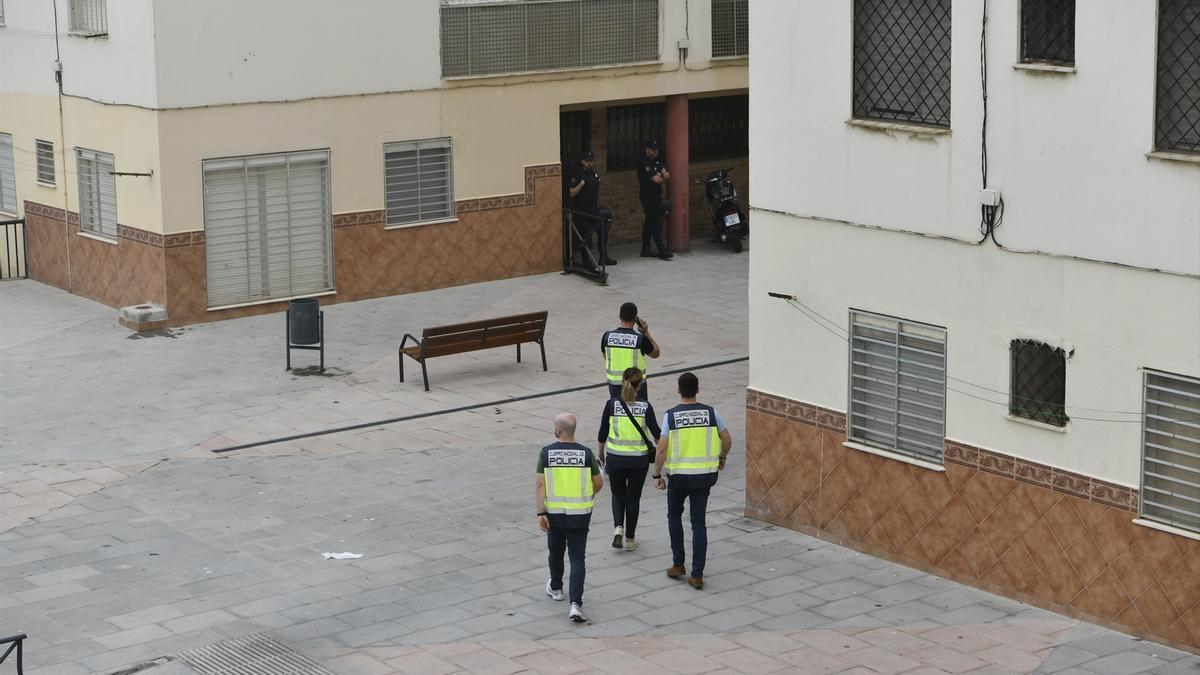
(614, 391)
(626, 485)
(698, 503)
(596, 221)
(573, 542)
(654, 208)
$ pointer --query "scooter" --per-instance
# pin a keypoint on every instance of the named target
(728, 219)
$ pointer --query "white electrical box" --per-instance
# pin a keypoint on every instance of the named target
(684, 44)
(989, 197)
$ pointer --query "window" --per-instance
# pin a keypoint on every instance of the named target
(485, 38)
(719, 128)
(45, 162)
(897, 385)
(8, 176)
(629, 126)
(418, 181)
(902, 61)
(1037, 382)
(97, 192)
(730, 27)
(89, 18)
(1048, 31)
(1177, 124)
(267, 227)
(1171, 450)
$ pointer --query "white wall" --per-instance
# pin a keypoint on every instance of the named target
(1118, 321)
(1067, 151)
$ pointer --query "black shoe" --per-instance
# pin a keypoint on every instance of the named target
(648, 254)
(665, 255)
(610, 261)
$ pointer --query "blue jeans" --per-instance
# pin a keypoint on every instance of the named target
(573, 542)
(698, 505)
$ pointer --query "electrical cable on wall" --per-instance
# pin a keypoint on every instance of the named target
(841, 333)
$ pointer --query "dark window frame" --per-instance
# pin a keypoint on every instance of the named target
(906, 91)
(1048, 32)
(1177, 86)
(1033, 393)
(718, 128)
(627, 128)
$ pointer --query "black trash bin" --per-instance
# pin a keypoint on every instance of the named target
(304, 316)
(305, 328)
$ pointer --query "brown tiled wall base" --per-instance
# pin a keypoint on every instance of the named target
(128, 272)
(1055, 539)
(493, 238)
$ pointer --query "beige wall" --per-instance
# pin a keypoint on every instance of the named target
(497, 130)
(130, 134)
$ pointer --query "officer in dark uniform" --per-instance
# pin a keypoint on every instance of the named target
(652, 174)
(585, 194)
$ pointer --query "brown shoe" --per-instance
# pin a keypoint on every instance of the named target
(676, 571)
(696, 582)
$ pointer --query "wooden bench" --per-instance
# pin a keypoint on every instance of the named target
(472, 336)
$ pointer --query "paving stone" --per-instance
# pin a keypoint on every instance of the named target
(1124, 662)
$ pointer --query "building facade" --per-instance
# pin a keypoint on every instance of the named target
(980, 223)
(218, 158)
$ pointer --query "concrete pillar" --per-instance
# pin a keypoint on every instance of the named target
(677, 164)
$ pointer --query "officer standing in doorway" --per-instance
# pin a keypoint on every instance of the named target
(590, 217)
(624, 347)
(691, 451)
(652, 175)
(568, 478)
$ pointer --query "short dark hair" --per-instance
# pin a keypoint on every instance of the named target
(689, 385)
(628, 311)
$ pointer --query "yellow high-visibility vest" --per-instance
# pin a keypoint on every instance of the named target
(623, 438)
(568, 482)
(623, 350)
(693, 443)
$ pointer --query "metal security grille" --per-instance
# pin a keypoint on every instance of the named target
(1171, 450)
(257, 654)
(97, 192)
(1177, 124)
(89, 17)
(267, 227)
(418, 181)
(1, 12)
(1037, 382)
(1048, 31)
(897, 385)
(487, 38)
(730, 27)
(8, 175)
(45, 162)
(902, 60)
(719, 128)
(629, 126)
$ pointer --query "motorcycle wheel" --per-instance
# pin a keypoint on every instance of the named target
(735, 238)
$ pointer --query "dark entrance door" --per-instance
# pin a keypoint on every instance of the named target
(574, 139)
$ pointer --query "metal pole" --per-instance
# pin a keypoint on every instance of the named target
(287, 337)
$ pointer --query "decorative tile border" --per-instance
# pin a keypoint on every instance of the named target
(181, 239)
(956, 452)
(373, 217)
(123, 231)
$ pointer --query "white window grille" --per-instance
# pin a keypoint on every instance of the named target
(1171, 450)
(486, 38)
(8, 176)
(418, 181)
(45, 162)
(897, 385)
(97, 192)
(267, 227)
(89, 17)
(730, 27)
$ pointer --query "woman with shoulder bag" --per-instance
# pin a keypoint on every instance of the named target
(628, 436)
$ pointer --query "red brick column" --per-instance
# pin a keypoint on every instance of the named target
(677, 164)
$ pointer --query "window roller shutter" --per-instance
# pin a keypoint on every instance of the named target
(8, 175)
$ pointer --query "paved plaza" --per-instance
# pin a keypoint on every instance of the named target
(135, 535)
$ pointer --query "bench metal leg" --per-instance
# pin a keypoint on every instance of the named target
(400, 358)
(542, 345)
(518, 352)
(424, 374)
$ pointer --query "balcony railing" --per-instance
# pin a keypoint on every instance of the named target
(490, 38)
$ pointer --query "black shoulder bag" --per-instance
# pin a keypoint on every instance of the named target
(646, 439)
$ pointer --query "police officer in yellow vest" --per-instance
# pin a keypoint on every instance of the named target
(625, 347)
(627, 426)
(692, 450)
(567, 482)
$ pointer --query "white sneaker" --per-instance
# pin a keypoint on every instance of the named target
(557, 596)
(630, 544)
(576, 614)
(618, 536)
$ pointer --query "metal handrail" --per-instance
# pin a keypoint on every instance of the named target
(15, 642)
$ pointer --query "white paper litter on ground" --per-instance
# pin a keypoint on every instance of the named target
(344, 555)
